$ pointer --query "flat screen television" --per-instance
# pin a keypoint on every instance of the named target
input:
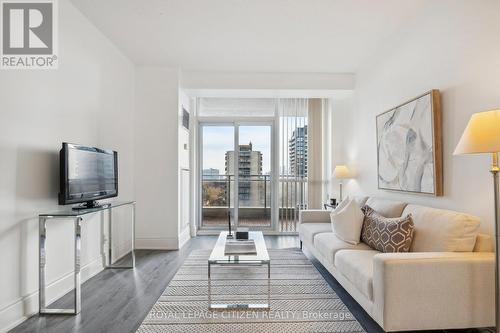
(87, 174)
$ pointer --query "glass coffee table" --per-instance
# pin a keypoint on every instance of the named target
(218, 258)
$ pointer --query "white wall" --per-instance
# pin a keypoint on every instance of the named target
(88, 100)
(451, 46)
(157, 159)
(335, 141)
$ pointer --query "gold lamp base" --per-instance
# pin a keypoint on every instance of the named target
(494, 171)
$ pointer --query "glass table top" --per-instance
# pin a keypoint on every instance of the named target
(217, 256)
(68, 211)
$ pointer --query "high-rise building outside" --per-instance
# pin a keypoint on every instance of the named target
(297, 146)
(250, 190)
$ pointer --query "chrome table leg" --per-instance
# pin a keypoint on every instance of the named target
(43, 257)
(42, 233)
(209, 287)
(78, 247)
(269, 284)
(133, 235)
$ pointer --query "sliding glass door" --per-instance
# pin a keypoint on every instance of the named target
(236, 175)
(255, 162)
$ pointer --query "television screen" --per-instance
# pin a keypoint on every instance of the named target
(87, 174)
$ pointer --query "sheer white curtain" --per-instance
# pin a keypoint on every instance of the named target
(315, 142)
(293, 160)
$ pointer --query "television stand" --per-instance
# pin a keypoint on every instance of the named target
(89, 205)
(109, 261)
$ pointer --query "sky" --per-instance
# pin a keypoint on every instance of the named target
(219, 139)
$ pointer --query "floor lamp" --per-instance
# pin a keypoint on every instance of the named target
(341, 172)
(482, 135)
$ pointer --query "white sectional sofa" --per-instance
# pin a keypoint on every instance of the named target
(446, 281)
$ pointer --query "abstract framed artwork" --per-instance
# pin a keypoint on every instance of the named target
(409, 153)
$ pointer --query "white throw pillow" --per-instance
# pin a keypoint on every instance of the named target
(341, 205)
(347, 221)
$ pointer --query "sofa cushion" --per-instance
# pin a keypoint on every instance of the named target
(484, 243)
(387, 208)
(307, 231)
(357, 267)
(347, 221)
(327, 244)
(439, 230)
(387, 234)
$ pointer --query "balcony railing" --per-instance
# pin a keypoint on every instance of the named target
(254, 200)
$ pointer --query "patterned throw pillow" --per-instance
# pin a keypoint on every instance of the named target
(387, 234)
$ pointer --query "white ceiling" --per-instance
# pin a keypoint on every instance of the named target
(333, 36)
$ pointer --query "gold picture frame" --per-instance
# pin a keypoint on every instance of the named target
(409, 146)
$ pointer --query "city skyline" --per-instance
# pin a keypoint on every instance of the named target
(218, 140)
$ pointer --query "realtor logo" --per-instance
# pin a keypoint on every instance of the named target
(28, 34)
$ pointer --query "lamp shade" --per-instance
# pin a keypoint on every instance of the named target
(482, 134)
(341, 172)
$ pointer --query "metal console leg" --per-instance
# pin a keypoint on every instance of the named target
(78, 247)
(110, 238)
(42, 257)
(133, 235)
(42, 232)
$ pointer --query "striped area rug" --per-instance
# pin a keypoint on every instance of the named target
(300, 299)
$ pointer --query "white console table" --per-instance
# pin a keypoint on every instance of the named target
(77, 217)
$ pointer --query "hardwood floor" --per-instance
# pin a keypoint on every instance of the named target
(118, 300)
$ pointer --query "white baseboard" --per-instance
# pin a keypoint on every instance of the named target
(184, 236)
(25, 307)
(171, 243)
